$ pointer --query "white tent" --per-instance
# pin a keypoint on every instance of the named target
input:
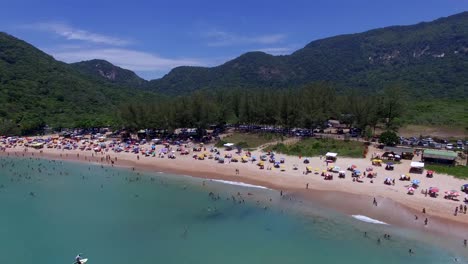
(229, 145)
(415, 164)
(331, 154)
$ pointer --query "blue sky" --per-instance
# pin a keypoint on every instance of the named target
(152, 37)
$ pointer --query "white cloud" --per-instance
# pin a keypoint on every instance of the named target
(222, 38)
(125, 58)
(72, 33)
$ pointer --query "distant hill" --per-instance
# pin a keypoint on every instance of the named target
(35, 90)
(104, 70)
(430, 59)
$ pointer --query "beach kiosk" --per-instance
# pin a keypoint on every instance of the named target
(229, 146)
(417, 167)
(331, 156)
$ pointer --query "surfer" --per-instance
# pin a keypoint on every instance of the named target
(78, 259)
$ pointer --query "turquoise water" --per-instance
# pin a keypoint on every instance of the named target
(50, 211)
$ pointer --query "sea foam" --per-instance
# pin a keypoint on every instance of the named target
(368, 219)
(241, 184)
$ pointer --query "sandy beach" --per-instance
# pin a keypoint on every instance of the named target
(394, 205)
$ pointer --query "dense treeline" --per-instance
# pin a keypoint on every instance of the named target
(308, 107)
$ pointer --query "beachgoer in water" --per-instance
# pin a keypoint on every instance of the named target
(464, 242)
(78, 259)
(410, 251)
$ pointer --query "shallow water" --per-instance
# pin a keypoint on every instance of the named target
(53, 210)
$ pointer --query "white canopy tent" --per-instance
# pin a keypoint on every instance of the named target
(418, 165)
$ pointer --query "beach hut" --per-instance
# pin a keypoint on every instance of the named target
(417, 167)
(331, 156)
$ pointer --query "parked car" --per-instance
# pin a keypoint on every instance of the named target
(449, 146)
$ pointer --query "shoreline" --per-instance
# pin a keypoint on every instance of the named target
(344, 200)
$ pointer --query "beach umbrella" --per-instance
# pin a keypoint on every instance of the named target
(411, 189)
(433, 189)
(390, 163)
(309, 168)
(416, 182)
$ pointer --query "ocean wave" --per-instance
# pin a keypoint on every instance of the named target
(241, 184)
(368, 219)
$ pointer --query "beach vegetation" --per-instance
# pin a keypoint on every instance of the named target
(389, 138)
(456, 171)
(248, 140)
(316, 147)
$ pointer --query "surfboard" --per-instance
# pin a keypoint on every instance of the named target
(82, 261)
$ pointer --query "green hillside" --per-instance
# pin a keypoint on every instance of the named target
(36, 90)
(430, 59)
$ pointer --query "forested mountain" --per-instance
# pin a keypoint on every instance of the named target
(342, 76)
(430, 59)
(35, 90)
(104, 70)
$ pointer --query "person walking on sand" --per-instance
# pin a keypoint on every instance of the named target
(456, 211)
(374, 202)
(464, 242)
(424, 210)
(425, 222)
(464, 209)
(307, 186)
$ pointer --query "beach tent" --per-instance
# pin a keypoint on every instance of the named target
(229, 146)
(415, 164)
(331, 156)
(417, 167)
